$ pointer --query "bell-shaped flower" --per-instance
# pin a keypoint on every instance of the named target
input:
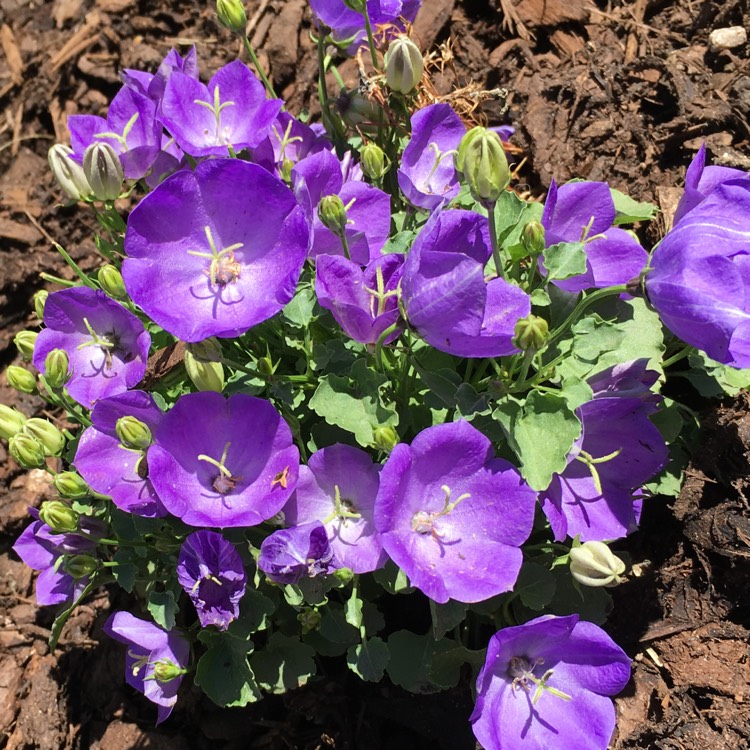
(152, 85)
(289, 555)
(107, 346)
(452, 516)
(547, 684)
(446, 296)
(223, 462)
(215, 251)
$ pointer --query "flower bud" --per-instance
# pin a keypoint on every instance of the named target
(57, 369)
(24, 341)
(110, 280)
(232, 14)
(309, 619)
(52, 440)
(165, 670)
(68, 173)
(344, 575)
(357, 110)
(20, 379)
(11, 421)
(482, 161)
(404, 65)
(27, 452)
(332, 212)
(533, 238)
(384, 438)
(358, 6)
(206, 376)
(59, 516)
(373, 161)
(80, 566)
(133, 433)
(40, 298)
(266, 366)
(530, 333)
(103, 170)
(593, 564)
(208, 350)
(70, 484)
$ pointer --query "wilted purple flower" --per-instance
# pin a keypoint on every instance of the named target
(210, 570)
(215, 251)
(452, 516)
(112, 469)
(546, 684)
(699, 281)
(223, 462)
(627, 379)
(584, 212)
(288, 555)
(338, 488)
(107, 346)
(231, 112)
(427, 175)
(363, 302)
(444, 291)
(156, 660)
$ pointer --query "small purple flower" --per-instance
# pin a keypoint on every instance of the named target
(107, 346)
(112, 469)
(338, 488)
(223, 462)
(452, 516)
(153, 85)
(215, 251)
(546, 684)
(427, 175)
(363, 302)
(210, 570)
(445, 294)
(289, 555)
(156, 659)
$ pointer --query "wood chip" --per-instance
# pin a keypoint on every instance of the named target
(551, 12)
(78, 42)
(12, 53)
(65, 10)
(18, 232)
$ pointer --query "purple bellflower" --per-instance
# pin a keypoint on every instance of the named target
(112, 468)
(445, 294)
(364, 302)
(584, 212)
(215, 251)
(210, 570)
(427, 175)
(289, 555)
(338, 488)
(156, 659)
(107, 346)
(223, 462)
(438, 511)
(546, 684)
(153, 85)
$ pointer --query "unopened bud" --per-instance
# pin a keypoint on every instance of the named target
(103, 170)
(207, 350)
(166, 671)
(373, 161)
(266, 365)
(533, 238)
(531, 333)
(332, 213)
(47, 434)
(404, 65)
(24, 341)
(20, 379)
(385, 438)
(59, 516)
(358, 6)
(27, 452)
(357, 110)
(80, 566)
(232, 14)
(593, 564)
(344, 575)
(11, 421)
(110, 280)
(206, 376)
(68, 173)
(482, 161)
(70, 484)
(40, 298)
(309, 619)
(133, 433)
(57, 368)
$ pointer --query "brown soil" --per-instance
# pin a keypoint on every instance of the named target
(623, 91)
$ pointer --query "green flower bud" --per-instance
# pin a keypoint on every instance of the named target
(384, 438)
(165, 670)
(593, 564)
(70, 484)
(358, 6)
(20, 379)
(59, 516)
(24, 341)
(68, 173)
(482, 161)
(80, 566)
(11, 421)
(344, 575)
(57, 368)
(266, 365)
(357, 110)
(208, 350)
(309, 619)
(206, 376)
(332, 213)
(232, 14)
(103, 170)
(27, 451)
(373, 161)
(47, 434)
(533, 238)
(531, 333)
(404, 65)
(133, 433)
(40, 298)
(110, 280)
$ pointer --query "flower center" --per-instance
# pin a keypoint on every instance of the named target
(591, 462)
(224, 482)
(423, 521)
(221, 137)
(224, 269)
(343, 508)
(379, 296)
(109, 343)
(121, 139)
(521, 670)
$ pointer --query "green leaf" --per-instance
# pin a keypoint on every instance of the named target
(712, 379)
(535, 585)
(284, 664)
(446, 616)
(565, 260)
(399, 244)
(411, 661)
(540, 298)
(163, 608)
(254, 611)
(393, 579)
(335, 628)
(368, 660)
(125, 571)
(445, 670)
(628, 211)
(512, 238)
(223, 671)
(299, 312)
(353, 610)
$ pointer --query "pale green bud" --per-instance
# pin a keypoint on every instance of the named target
(59, 516)
(47, 434)
(332, 213)
(385, 438)
(68, 173)
(166, 671)
(57, 368)
(110, 280)
(533, 238)
(358, 6)
(24, 341)
(40, 299)
(207, 350)
(103, 170)
(309, 619)
(27, 452)
(344, 575)
(531, 333)
(206, 376)
(133, 433)
(20, 379)
(232, 14)
(593, 564)
(80, 566)
(11, 421)
(70, 484)
(482, 161)
(357, 110)
(373, 161)
(404, 65)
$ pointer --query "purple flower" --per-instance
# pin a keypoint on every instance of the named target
(231, 112)
(156, 659)
(215, 251)
(112, 469)
(363, 302)
(438, 512)
(427, 175)
(699, 280)
(584, 212)
(210, 570)
(223, 462)
(546, 684)
(289, 555)
(153, 86)
(107, 346)
(444, 291)
(338, 488)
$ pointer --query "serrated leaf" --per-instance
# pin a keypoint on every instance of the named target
(224, 673)
(284, 664)
(628, 211)
(535, 586)
(565, 260)
(163, 608)
(540, 298)
(368, 660)
(125, 571)
(299, 312)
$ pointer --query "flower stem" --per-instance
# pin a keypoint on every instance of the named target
(495, 245)
(371, 40)
(261, 73)
(686, 351)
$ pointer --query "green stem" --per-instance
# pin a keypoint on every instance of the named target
(371, 40)
(78, 272)
(686, 351)
(261, 73)
(495, 245)
(379, 345)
